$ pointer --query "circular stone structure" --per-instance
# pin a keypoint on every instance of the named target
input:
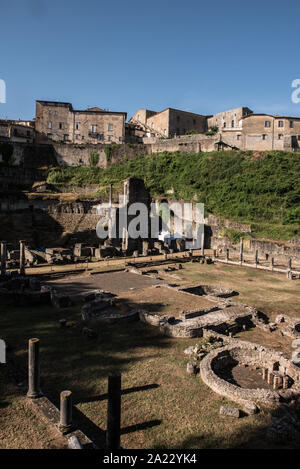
(247, 354)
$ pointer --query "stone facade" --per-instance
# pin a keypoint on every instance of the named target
(60, 122)
(228, 119)
(169, 122)
(245, 130)
(16, 131)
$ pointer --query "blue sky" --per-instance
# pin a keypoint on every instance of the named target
(203, 57)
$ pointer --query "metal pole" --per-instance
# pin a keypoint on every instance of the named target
(113, 411)
(34, 369)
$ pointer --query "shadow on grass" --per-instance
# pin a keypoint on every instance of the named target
(103, 397)
(140, 426)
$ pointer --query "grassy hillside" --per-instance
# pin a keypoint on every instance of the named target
(263, 190)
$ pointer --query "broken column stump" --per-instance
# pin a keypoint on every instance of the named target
(65, 421)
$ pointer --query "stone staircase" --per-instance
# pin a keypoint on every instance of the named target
(147, 128)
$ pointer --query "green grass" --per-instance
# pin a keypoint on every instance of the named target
(162, 407)
(262, 191)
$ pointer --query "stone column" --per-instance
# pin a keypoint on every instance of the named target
(65, 422)
(277, 382)
(241, 250)
(270, 378)
(34, 369)
(203, 241)
(3, 257)
(22, 257)
(289, 275)
(264, 374)
(110, 194)
(125, 239)
(113, 411)
(227, 255)
(285, 382)
(145, 247)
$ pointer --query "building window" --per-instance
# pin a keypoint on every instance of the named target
(291, 124)
(264, 136)
(49, 125)
(66, 136)
(267, 124)
(93, 129)
(110, 127)
(77, 137)
(194, 121)
(109, 138)
(232, 123)
(100, 137)
(280, 123)
(280, 136)
(238, 137)
(28, 133)
(77, 126)
(224, 124)
(178, 118)
(60, 125)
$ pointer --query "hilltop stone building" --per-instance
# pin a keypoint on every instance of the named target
(58, 121)
(16, 131)
(238, 128)
(168, 123)
(228, 119)
(248, 131)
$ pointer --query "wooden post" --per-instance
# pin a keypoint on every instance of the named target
(113, 411)
(34, 369)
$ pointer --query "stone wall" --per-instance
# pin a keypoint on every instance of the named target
(63, 154)
(249, 354)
